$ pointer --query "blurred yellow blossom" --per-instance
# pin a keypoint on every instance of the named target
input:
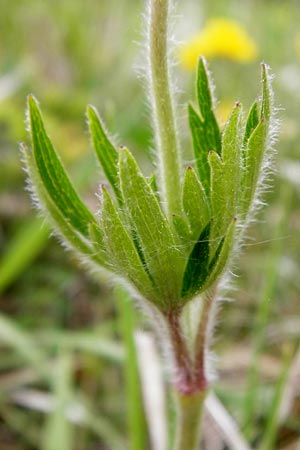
(219, 38)
(223, 111)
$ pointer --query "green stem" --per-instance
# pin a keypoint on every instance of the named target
(162, 104)
(189, 413)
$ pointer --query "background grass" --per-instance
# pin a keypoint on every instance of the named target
(60, 332)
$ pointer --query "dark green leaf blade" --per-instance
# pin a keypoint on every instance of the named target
(197, 266)
(204, 95)
(201, 147)
(205, 130)
(60, 222)
(252, 121)
(53, 175)
(105, 151)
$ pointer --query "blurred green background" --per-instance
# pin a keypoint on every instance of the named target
(60, 328)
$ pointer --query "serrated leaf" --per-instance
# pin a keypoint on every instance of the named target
(220, 259)
(195, 203)
(61, 223)
(254, 154)
(204, 128)
(124, 257)
(53, 175)
(197, 266)
(105, 151)
(164, 261)
(252, 121)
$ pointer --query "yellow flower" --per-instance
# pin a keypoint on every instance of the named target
(221, 38)
(223, 111)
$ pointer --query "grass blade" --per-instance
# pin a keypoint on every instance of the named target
(58, 431)
(20, 252)
(136, 420)
(271, 427)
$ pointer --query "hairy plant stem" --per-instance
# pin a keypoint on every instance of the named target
(162, 106)
(190, 382)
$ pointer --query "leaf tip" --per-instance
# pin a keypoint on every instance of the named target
(125, 156)
(32, 103)
(90, 111)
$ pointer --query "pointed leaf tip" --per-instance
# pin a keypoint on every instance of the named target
(106, 153)
(53, 175)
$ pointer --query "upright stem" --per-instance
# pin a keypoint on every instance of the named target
(189, 414)
(206, 323)
(190, 388)
(162, 105)
(190, 383)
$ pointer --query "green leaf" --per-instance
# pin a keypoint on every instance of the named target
(182, 227)
(205, 103)
(97, 240)
(62, 224)
(201, 147)
(252, 121)
(195, 203)
(204, 128)
(105, 151)
(163, 258)
(231, 157)
(221, 257)
(53, 175)
(225, 178)
(197, 266)
(124, 257)
(254, 154)
(266, 101)
(218, 199)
